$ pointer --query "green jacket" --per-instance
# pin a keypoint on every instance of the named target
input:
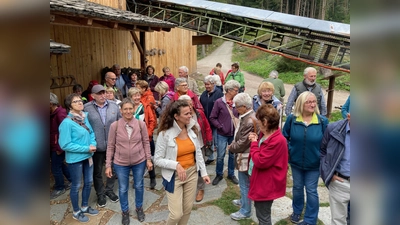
(278, 85)
(238, 76)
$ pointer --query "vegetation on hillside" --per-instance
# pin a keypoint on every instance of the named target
(208, 49)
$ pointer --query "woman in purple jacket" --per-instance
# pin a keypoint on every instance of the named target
(128, 149)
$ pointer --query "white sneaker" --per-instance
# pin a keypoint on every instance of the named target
(238, 216)
(236, 202)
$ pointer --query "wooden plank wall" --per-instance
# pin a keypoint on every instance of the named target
(93, 49)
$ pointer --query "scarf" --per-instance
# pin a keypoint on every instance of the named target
(79, 119)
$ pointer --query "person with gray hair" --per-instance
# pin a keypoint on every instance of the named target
(279, 87)
(122, 79)
(183, 71)
(181, 88)
(308, 84)
(223, 117)
(240, 146)
(207, 99)
(58, 168)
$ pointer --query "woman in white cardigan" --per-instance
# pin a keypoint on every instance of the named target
(179, 156)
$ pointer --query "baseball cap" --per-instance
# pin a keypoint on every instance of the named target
(97, 88)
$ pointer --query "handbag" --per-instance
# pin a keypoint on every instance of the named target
(242, 159)
(235, 120)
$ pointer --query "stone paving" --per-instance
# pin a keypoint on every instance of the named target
(156, 210)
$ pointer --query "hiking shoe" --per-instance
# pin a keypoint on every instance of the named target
(153, 183)
(238, 216)
(209, 161)
(113, 197)
(303, 223)
(90, 211)
(237, 202)
(56, 193)
(233, 179)
(80, 217)
(295, 218)
(140, 214)
(101, 201)
(125, 218)
(217, 179)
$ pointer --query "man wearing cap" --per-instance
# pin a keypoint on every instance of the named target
(101, 114)
(110, 80)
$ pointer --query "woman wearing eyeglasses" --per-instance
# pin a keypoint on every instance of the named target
(304, 131)
(78, 141)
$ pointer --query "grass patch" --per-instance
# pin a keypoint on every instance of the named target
(261, 63)
(216, 42)
(225, 202)
(324, 204)
(287, 221)
(335, 116)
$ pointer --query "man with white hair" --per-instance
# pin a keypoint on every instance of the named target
(279, 92)
(184, 72)
(308, 84)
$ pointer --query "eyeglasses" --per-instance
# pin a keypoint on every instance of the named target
(77, 101)
(235, 90)
(311, 102)
(183, 85)
(112, 78)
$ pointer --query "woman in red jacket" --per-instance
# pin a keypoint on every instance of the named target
(268, 163)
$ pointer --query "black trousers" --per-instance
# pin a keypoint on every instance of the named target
(152, 173)
(99, 159)
(263, 212)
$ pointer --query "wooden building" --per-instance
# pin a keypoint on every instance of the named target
(102, 33)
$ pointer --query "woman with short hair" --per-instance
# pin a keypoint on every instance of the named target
(265, 95)
(304, 130)
(182, 88)
(165, 97)
(168, 77)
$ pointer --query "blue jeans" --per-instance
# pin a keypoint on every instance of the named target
(223, 142)
(123, 182)
(59, 170)
(215, 141)
(308, 179)
(244, 184)
(76, 171)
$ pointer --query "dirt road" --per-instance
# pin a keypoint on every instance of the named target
(223, 55)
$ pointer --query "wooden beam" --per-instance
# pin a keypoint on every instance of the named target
(137, 42)
(143, 60)
(201, 40)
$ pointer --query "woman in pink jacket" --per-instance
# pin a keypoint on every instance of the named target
(128, 149)
(268, 163)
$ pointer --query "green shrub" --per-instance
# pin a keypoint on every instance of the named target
(289, 65)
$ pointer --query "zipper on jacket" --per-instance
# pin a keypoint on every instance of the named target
(304, 146)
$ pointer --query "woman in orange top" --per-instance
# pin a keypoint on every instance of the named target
(144, 111)
(179, 155)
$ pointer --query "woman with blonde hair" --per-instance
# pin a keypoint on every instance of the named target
(265, 95)
(304, 130)
(165, 97)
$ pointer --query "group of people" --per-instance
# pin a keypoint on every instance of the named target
(191, 126)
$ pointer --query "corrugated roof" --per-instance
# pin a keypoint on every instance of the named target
(58, 48)
(94, 10)
(268, 16)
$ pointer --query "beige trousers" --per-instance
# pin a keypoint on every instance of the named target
(339, 197)
(180, 203)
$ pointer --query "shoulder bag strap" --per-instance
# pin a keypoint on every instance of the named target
(232, 117)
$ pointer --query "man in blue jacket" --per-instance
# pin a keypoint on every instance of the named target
(335, 168)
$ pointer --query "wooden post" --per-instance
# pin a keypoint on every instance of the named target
(143, 60)
(330, 91)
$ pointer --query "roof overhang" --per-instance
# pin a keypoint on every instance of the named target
(81, 13)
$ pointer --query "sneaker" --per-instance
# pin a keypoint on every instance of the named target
(303, 223)
(209, 161)
(295, 218)
(217, 179)
(80, 217)
(68, 186)
(152, 183)
(140, 214)
(233, 179)
(56, 193)
(113, 197)
(101, 201)
(125, 218)
(237, 202)
(238, 216)
(90, 211)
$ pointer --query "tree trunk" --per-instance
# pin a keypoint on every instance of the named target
(323, 9)
(281, 6)
(287, 7)
(203, 51)
(297, 9)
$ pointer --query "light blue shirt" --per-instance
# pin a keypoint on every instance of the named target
(344, 165)
(102, 111)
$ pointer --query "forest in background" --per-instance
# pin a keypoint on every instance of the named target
(332, 10)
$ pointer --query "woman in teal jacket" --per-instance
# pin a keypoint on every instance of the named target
(304, 131)
(78, 141)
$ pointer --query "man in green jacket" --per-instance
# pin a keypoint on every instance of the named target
(235, 74)
(278, 85)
